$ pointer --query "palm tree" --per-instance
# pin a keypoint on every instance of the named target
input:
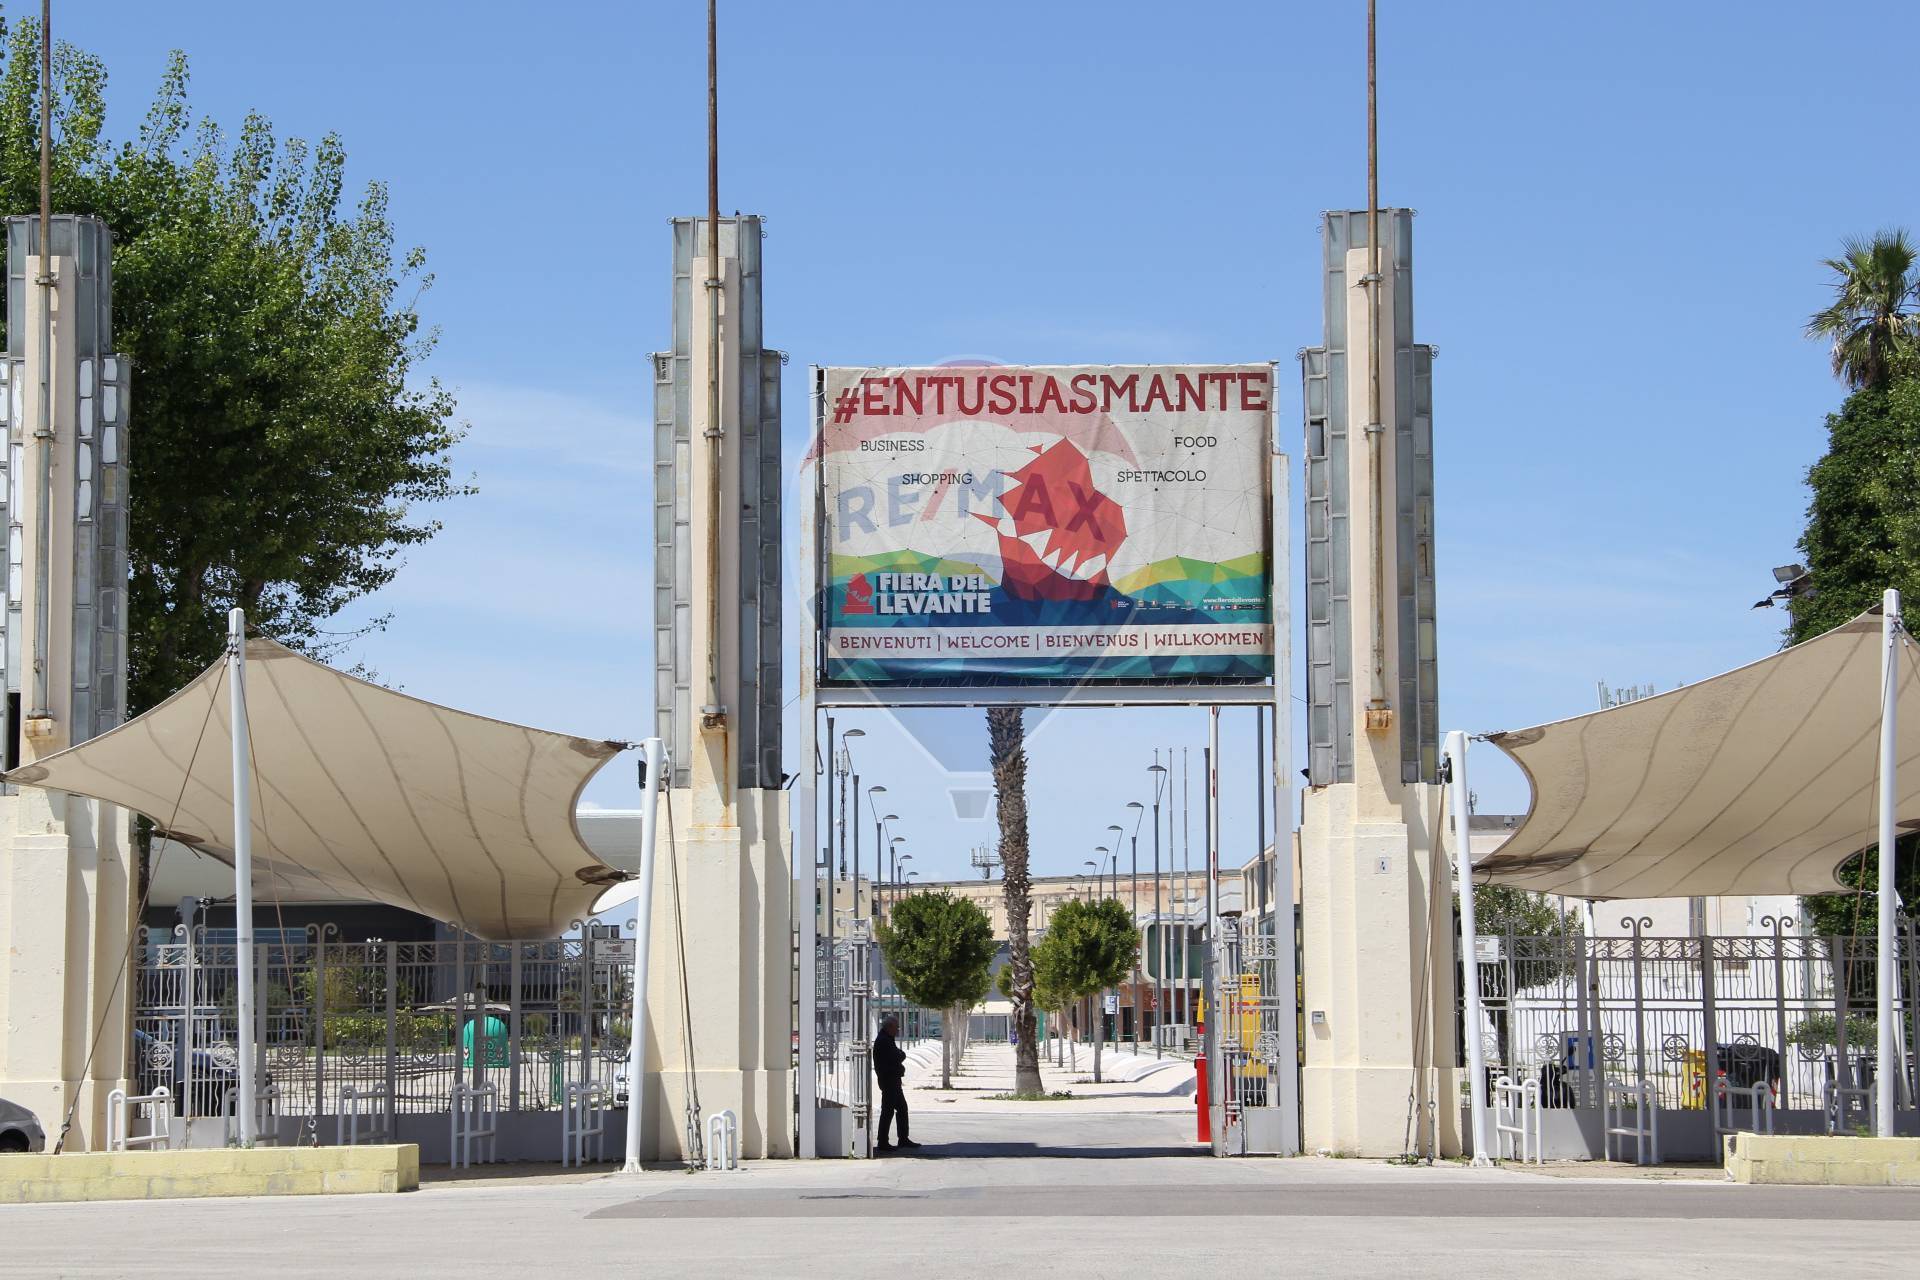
(1006, 751)
(1871, 324)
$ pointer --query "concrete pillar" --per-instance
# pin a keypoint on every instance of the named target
(67, 870)
(1376, 909)
(730, 841)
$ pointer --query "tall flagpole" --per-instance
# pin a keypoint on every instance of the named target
(242, 861)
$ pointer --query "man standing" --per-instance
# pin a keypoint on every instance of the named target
(890, 1068)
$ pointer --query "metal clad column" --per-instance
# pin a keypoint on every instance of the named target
(1887, 1063)
(243, 954)
(654, 752)
(1456, 754)
(1286, 1067)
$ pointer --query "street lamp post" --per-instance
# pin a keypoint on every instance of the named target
(895, 858)
(1133, 878)
(1112, 1035)
(1088, 1027)
(880, 843)
(878, 848)
(846, 737)
(1158, 772)
(836, 855)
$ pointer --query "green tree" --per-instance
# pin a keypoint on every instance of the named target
(1007, 756)
(1499, 908)
(1870, 325)
(979, 984)
(939, 950)
(1089, 947)
(1857, 913)
(1862, 533)
(283, 442)
(1545, 935)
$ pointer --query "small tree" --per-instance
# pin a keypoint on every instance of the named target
(1501, 910)
(939, 949)
(1089, 947)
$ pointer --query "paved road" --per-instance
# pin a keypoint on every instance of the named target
(1108, 1183)
(940, 1215)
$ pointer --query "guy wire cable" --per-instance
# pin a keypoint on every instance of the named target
(133, 934)
(695, 1154)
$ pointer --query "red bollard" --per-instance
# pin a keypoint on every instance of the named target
(1204, 1114)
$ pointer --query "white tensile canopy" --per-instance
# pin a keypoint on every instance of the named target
(1762, 780)
(359, 792)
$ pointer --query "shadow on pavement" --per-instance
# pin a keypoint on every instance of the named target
(1035, 1151)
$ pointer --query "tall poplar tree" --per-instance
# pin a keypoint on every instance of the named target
(282, 445)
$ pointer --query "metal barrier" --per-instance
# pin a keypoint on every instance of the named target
(844, 1029)
(1645, 1130)
(346, 1124)
(1837, 1100)
(723, 1143)
(584, 1123)
(1679, 1012)
(266, 1116)
(1521, 1103)
(476, 1118)
(158, 1107)
(1759, 1100)
(398, 1016)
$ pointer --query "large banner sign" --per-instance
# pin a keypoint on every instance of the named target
(1002, 524)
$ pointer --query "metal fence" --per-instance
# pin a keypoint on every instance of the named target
(1791, 1013)
(1253, 1006)
(383, 1028)
(843, 989)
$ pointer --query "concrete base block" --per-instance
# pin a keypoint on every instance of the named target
(160, 1175)
(1379, 991)
(1821, 1161)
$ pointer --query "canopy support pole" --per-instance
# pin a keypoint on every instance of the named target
(1456, 754)
(1887, 1064)
(242, 863)
(654, 753)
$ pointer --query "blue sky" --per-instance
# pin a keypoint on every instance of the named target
(1622, 210)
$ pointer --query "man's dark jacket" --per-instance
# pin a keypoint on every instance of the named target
(889, 1060)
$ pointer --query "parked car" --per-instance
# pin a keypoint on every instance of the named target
(20, 1129)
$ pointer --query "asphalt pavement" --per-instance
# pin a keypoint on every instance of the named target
(1095, 1186)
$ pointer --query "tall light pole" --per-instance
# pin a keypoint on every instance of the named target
(1187, 877)
(845, 738)
(1090, 892)
(1133, 876)
(879, 899)
(879, 849)
(894, 859)
(1118, 831)
(836, 835)
(882, 873)
(1158, 772)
